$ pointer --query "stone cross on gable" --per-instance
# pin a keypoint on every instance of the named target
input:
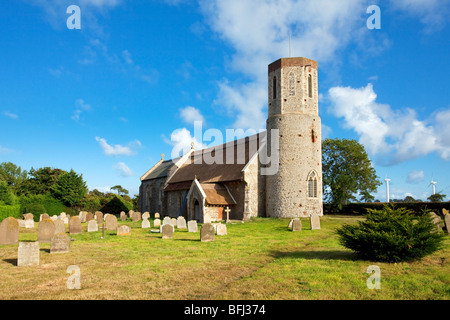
(227, 210)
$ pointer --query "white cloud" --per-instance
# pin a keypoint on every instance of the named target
(11, 115)
(181, 140)
(123, 170)
(127, 57)
(390, 135)
(4, 150)
(415, 176)
(118, 149)
(191, 114)
(80, 107)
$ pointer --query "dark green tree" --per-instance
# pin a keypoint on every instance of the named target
(120, 190)
(6, 195)
(40, 181)
(70, 188)
(437, 197)
(347, 171)
(12, 174)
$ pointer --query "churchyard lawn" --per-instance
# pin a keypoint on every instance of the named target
(260, 260)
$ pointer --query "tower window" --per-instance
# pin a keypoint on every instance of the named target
(312, 185)
(310, 86)
(274, 87)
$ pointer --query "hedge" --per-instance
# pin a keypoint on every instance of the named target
(361, 208)
(10, 211)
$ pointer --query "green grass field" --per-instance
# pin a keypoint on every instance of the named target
(259, 259)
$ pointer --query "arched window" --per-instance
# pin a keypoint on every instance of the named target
(274, 87)
(312, 184)
(310, 89)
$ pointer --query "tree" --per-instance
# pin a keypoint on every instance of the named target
(347, 171)
(437, 197)
(12, 174)
(6, 196)
(40, 181)
(120, 190)
(70, 188)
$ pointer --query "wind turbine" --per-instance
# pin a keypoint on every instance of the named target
(387, 188)
(434, 185)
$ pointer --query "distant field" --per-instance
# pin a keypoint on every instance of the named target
(260, 259)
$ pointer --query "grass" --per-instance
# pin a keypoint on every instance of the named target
(258, 260)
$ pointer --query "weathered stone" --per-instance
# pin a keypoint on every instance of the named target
(181, 223)
(296, 225)
(315, 221)
(29, 224)
(207, 232)
(99, 216)
(28, 216)
(221, 229)
(82, 216)
(447, 222)
(145, 224)
(157, 216)
(60, 227)
(167, 231)
(21, 223)
(111, 222)
(166, 220)
(89, 216)
(436, 220)
(192, 226)
(28, 254)
(62, 215)
(206, 218)
(46, 230)
(135, 216)
(123, 230)
(43, 217)
(75, 225)
(146, 215)
(92, 226)
(157, 223)
(60, 243)
(173, 222)
(9, 231)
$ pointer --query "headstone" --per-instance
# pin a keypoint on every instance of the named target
(207, 233)
(192, 226)
(54, 217)
(43, 217)
(181, 223)
(135, 216)
(60, 243)
(167, 220)
(123, 230)
(92, 226)
(206, 218)
(157, 223)
(123, 216)
(46, 230)
(130, 213)
(221, 229)
(157, 216)
(436, 220)
(29, 224)
(60, 227)
(167, 231)
(146, 215)
(99, 216)
(227, 211)
(21, 223)
(290, 224)
(62, 215)
(111, 222)
(315, 221)
(145, 224)
(296, 225)
(75, 225)
(9, 231)
(28, 216)
(173, 222)
(89, 216)
(447, 222)
(28, 254)
(82, 216)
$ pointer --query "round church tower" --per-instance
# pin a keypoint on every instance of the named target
(295, 190)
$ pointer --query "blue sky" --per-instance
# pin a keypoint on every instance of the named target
(106, 100)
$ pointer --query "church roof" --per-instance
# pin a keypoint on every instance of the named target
(160, 170)
(210, 165)
(217, 194)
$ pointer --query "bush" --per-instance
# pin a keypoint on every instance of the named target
(10, 211)
(39, 204)
(392, 235)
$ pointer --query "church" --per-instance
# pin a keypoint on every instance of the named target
(275, 173)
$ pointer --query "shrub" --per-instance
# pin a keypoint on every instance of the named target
(38, 204)
(9, 211)
(391, 235)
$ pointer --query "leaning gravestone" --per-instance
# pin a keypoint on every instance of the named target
(92, 226)
(181, 223)
(221, 229)
(296, 225)
(60, 227)
(46, 230)
(167, 231)
(436, 220)
(447, 222)
(111, 222)
(145, 224)
(60, 243)
(207, 232)
(315, 221)
(192, 226)
(157, 223)
(124, 230)
(28, 254)
(9, 231)
(75, 225)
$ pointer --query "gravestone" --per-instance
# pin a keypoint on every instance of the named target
(28, 254)
(75, 225)
(296, 225)
(46, 230)
(146, 215)
(60, 227)
(315, 221)
(157, 216)
(29, 223)
(181, 223)
(192, 226)
(227, 211)
(123, 216)
(157, 223)
(9, 231)
(28, 216)
(206, 218)
(167, 220)
(43, 217)
(62, 215)
(173, 222)
(111, 222)
(167, 231)
(124, 230)
(207, 233)
(447, 222)
(145, 224)
(99, 216)
(436, 220)
(60, 243)
(92, 226)
(82, 216)
(135, 216)
(221, 229)
(21, 223)
(54, 217)
(89, 216)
